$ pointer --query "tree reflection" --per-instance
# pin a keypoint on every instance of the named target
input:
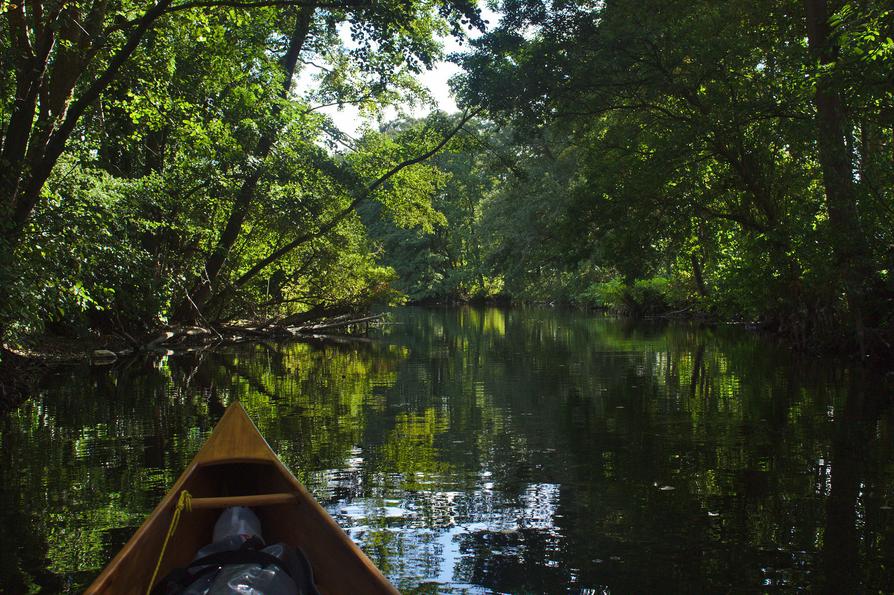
(511, 450)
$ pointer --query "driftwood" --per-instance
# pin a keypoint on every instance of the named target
(345, 321)
(195, 338)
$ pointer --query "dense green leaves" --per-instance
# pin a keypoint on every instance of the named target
(695, 142)
(186, 169)
(729, 158)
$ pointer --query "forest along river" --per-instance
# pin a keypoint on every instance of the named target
(490, 450)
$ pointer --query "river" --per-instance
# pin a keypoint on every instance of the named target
(485, 449)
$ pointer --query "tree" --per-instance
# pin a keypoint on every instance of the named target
(698, 154)
(68, 56)
(445, 259)
(848, 239)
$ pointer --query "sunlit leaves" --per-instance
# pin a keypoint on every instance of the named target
(177, 132)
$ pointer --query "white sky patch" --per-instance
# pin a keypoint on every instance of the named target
(347, 117)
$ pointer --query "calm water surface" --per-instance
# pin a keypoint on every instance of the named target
(486, 450)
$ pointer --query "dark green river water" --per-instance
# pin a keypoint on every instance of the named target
(490, 450)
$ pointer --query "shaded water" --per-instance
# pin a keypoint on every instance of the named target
(490, 450)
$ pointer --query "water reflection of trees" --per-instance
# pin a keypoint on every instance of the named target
(85, 461)
(740, 430)
(90, 455)
(505, 449)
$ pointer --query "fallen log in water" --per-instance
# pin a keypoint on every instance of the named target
(333, 325)
(193, 338)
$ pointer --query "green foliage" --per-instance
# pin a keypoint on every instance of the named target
(625, 142)
(201, 127)
(645, 141)
(608, 294)
(84, 254)
(441, 257)
(646, 297)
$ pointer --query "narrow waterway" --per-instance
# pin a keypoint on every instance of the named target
(519, 450)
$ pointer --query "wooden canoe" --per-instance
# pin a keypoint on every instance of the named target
(237, 467)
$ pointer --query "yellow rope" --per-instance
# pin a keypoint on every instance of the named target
(183, 503)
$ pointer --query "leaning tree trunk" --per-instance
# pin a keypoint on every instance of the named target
(849, 246)
(193, 304)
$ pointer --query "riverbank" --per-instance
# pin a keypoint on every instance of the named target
(811, 336)
(22, 365)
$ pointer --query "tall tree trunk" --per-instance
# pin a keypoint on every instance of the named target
(697, 273)
(849, 245)
(192, 305)
(476, 244)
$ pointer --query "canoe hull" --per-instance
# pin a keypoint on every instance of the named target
(236, 462)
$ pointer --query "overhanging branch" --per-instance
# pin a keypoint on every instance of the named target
(332, 223)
